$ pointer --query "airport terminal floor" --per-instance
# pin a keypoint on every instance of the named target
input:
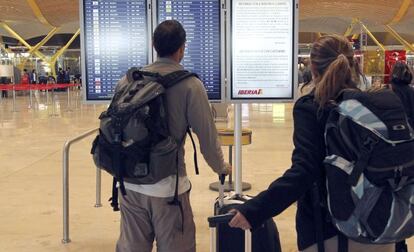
(31, 146)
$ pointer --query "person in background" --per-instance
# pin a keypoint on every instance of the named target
(332, 60)
(301, 67)
(33, 77)
(60, 76)
(67, 75)
(401, 78)
(25, 77)
(50, 79)
(360, 77)
(307, 86)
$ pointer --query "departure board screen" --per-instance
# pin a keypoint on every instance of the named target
(201, 21)
(115, 38)
(262, 49)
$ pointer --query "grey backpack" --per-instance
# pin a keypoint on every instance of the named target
(134, 143)
(369, 168)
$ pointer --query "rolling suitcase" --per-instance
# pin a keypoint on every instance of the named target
(227, 239)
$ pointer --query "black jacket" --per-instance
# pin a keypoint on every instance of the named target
(298, 181)
(406, 94)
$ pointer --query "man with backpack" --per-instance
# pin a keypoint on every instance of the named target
(147, 211)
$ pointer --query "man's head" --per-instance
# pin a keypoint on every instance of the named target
(169, 40)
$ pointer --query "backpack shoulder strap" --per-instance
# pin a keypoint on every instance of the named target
(176, 77)
(195, 151)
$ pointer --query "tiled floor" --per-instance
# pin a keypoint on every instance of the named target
(31, 142)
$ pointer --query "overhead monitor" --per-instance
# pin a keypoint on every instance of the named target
(115, 37)
(204, 25)
(262, 49)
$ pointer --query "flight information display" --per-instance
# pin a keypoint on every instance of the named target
(201, 20)
(115, 38)
(262, 49)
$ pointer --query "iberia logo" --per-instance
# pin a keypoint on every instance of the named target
(250, 92)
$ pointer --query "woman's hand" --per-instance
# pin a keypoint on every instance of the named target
(239, 221)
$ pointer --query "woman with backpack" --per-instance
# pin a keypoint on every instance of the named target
(332, 64)
(401, 79)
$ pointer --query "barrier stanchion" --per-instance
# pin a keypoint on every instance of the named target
(68, 105)
(47, 96)
(54, 114)
(65, 182)
(31, 98)
(14, 100)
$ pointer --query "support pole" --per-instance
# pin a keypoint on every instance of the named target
(399, 38)
(31, 97)
(14, 100)
(68, 105)
(372, 37)
(238, 148)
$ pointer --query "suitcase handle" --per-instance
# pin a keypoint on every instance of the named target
(220, 219)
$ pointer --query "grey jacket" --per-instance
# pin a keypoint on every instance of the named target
(188, 105)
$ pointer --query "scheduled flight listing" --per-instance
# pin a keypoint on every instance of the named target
(262, 49)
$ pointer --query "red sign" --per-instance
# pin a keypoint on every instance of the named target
(391, 57)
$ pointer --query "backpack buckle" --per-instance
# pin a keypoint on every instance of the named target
(370, 143)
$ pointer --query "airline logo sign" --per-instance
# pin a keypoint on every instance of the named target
(256, 92)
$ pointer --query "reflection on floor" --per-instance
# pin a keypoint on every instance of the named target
(31, 141)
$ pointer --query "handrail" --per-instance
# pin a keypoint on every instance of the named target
(65, 176)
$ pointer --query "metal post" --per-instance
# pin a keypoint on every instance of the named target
(238, 148)
(14, 100)
(53, 103)
(68, 92)
(65, 177)
(31, 98)
(98, 187)
(47, 95)
(231, 163)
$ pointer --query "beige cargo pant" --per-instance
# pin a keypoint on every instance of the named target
(331, 245)
(145, 219)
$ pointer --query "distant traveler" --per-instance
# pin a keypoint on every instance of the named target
(331, 64)
(61, 76)
(33, 77)
(146, 214)
(50, 79)
(307, 86)
(25, 77)
(401, 78)
(67, 75)
(360, 77)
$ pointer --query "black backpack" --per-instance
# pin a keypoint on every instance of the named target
(369, 167)
(134, 143)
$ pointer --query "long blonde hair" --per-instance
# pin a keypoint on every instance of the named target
(332, 59)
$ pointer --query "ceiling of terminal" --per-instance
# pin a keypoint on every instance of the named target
(31, 18)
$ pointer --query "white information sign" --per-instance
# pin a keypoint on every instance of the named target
(262, 49)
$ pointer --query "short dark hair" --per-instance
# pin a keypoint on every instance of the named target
(401, 74)
(168, 37)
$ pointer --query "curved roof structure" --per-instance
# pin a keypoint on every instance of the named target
(31, 18)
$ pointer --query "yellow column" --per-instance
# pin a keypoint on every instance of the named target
(21, 40)
(37, 12)
(350, 28)
(399, 38)
(401, 12)
(63, 49)
(373, 37)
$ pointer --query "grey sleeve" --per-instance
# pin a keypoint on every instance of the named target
(201, 121)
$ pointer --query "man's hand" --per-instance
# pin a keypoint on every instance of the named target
(239, 221)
